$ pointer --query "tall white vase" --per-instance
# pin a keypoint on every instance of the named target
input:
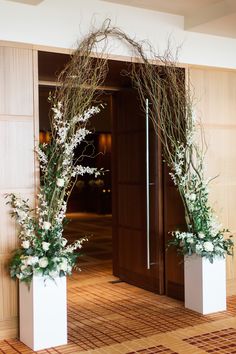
(43, 313)
(205, 284)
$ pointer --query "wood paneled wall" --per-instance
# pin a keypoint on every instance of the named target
(215, 94)
(17, 172)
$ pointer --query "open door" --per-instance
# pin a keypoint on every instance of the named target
(131, 248)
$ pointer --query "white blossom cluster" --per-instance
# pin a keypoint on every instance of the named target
(83, 118)
(205, 236)
(201, 244)
(35, 256)
(42, 212)
(21, 211)
(69, 144)
(61, 213)
(43, 249)
(38, 264)
(43, 160)
(80, 170)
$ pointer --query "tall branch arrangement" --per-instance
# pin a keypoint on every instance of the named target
(183, 151)
(157, 77)
(43, 249)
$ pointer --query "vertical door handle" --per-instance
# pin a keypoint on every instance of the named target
(147, 184)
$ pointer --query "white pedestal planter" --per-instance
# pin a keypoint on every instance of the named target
(43, 313)
(205, 284)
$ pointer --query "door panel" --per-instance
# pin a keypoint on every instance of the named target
(173, 219)
(129, 196)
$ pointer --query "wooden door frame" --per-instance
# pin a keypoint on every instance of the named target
(160, 180)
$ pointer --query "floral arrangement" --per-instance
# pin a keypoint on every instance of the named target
(170, 96)
(205, 235)
(43, 249)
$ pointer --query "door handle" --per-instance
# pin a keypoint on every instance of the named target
(147, 185)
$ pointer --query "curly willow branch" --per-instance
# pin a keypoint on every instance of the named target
(156, 77)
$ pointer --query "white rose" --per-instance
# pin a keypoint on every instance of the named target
(46, 225)
(208, 246)
(32, 260)
(25, 244)
(43, 262)
(45, 246)
(190, 240)
(60, 182)
(201, 235)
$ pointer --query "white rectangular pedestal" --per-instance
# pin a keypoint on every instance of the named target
(43, 313)
(205, 284)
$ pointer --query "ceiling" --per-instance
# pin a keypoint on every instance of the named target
(217, 17)
(28, 2)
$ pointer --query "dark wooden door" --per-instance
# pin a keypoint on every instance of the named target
(173, 220)
(129, 196)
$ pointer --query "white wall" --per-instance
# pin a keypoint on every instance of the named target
(60, 23)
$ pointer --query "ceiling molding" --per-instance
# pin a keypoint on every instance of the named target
(209, 13)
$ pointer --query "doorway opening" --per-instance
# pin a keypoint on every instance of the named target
(112, 209)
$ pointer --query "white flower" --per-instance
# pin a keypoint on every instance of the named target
(23, 267)
(22, 215)
(190, 240)
(199, 248)
(208, 246)
(63, 265)
(54, 273)
(214, 226)
(63, 242)
(43, 262)
(42, 158)
(32, 260)
(87, 114)
(46, 225)
(192, 197)
(201, 235)
(25, 244)
(45, 246)
(60, 182)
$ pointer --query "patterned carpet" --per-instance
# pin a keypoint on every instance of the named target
(98, 229)
(105, 316)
